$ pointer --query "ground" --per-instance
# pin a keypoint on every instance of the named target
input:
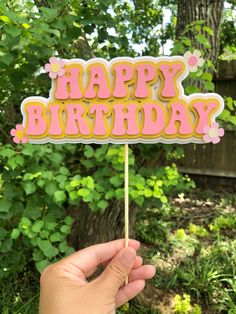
(191, 242)
(188, 242)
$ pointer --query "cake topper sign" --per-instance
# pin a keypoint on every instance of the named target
(126, 100)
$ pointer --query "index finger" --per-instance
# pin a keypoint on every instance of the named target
(89, 258)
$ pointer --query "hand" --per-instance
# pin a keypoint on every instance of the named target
(65, 290)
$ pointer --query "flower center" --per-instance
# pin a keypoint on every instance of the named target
(192, 61)
(20, 134)
(213, 133)
(55, 67)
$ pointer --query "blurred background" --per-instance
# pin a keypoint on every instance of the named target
(55, 199)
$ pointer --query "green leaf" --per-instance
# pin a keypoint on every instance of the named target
(5, 245)
(6, 58)
(207, 76)
(37, 226)
(25, 25)
(61, 178)
(44, 234)
(13, 31)
(31, 234)
(7, 152)
(63, 246)
(15, 234)
(83, 192)
(55, 32)
(3, 233)
(186, 41)
(232, 119)
(47, 248)
(5, 205)
(203, 40)
(50, 188)
(102, 204)
(116, 181)
(64, 171)
(25, 223)
(75, 183)
(50, 225)
(148, 193)
(29, 188)
(88, 182)
(109, 195)
(88, 151)
(229, 103)
(65, 229)
(69, 220)
(28, 149)
(19, 160)
(139, 200)
(192, 89)
(37, 255)
(69, 251)
(119, 193)
(60, 196)
(225, 115)
(164, 199)
(40, 183)
(5, 19)
(42, 265)
(208, 30)
(209, 86)
(48, 13)
(47, 175)
(73, 195)
(55, 237)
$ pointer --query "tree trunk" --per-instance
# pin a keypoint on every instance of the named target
(210, 11)
(92, 228)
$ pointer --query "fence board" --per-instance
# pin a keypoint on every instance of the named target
(215, 160)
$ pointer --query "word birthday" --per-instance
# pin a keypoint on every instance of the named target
(122, 101)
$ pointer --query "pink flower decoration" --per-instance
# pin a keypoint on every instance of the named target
(19, 135)
(213, 133)
(193, 60)
(55, 67)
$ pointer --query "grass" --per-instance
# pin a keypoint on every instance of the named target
(20, 295)
(191, 242)
(196, 256)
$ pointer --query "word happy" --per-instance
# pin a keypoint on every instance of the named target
(122, 101)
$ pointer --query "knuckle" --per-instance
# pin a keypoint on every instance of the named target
(44, 274)
(118, 271)
(47, 273)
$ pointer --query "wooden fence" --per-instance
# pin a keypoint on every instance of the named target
(215, 160)
(211, 160)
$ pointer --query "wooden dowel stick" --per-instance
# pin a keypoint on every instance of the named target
(126, 198)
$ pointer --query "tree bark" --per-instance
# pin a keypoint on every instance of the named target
(211, 11)
(93, 228)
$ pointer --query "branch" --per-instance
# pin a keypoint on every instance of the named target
(8, 138)
(90, 51)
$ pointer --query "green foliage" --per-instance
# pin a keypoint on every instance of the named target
(34, 224)
(228, 116)
(42, 187)
(183, 305)
(197, 259)
(202, 78)
(37, 185)
(198, 231)
(228, 33)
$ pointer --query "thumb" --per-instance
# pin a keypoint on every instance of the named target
(116, 272)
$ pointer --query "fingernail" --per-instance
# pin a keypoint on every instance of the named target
(128, 257)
